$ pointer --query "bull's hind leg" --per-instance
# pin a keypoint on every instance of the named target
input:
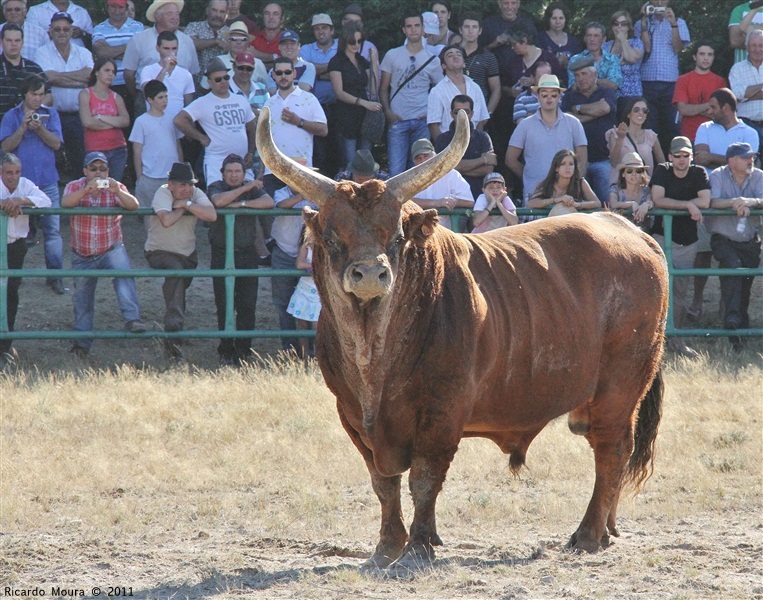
(611, 454)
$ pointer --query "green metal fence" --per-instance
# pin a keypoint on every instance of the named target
(230, 272)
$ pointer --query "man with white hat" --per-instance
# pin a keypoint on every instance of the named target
(542, 135)
(82, 24)
(238, 39)
(141, 49)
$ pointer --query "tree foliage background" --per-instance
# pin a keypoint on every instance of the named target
(707, 20)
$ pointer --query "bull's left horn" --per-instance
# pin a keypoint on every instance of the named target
(406, 185)
(310, 184)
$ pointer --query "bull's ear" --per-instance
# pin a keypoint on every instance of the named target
(311, 221)
(420, 225)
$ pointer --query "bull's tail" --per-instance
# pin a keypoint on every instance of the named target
(641, 464)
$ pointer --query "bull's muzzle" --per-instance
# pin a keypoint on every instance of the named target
(368, 279)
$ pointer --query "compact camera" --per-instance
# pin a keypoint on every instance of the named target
(38, 116)
(101, 184)
(652, 10)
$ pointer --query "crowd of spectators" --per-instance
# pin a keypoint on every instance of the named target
(162, 114)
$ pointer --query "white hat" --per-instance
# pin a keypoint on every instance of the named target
(431, 23)
(156, 4)
(321, 19)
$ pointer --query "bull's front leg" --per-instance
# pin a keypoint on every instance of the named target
(425, 480)
(392, 535)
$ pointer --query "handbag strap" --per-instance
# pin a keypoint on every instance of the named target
(635, 147)
(416, 72)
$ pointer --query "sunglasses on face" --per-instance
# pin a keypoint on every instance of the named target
(245, 68)
(682, 156)
(282, 73)
(637, 109)
(620, 23)
(239, 39)
(62, 29)
(101, 169)
(355, 42)
(223, 78)
(632, 171)
(549, 95)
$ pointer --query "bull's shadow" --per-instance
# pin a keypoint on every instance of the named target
(260, 580)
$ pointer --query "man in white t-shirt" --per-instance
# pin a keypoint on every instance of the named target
(295, 117)
(449, 192)
(179, 81)
(227, 119)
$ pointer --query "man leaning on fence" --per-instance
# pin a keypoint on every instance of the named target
(171, 242)
(97, 244)
(16, 192)
(735, 239)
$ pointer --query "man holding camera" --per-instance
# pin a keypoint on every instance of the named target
(664, 36)
(97, 244)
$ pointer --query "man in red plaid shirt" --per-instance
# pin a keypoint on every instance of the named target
(97, 244)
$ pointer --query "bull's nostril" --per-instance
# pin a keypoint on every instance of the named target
(383, 276)
(357, 275)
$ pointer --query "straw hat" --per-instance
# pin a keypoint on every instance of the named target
(238, 28)
(156, 4)
(549, 82)
(632, 160)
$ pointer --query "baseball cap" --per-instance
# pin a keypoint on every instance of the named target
(244, 58)
(431, 23)
(321, 19)
(91, 157)
(61, 15)
(120, 3)
(680, 144)
(741, 149)
(422, 146)
(493, 177)
(289, 35)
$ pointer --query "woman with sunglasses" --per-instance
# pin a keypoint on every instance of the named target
(349, 74)
(630, 136)
(630, 49)
(103, 114)
(631, 192)
(564, 190)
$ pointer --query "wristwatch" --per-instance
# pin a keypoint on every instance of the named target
(301, 123)
(243, 204)
(577, 108)
(98, 117)
(188, 204)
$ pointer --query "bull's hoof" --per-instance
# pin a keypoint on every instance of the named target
(377, 562)
(583, 542)
(415, 558)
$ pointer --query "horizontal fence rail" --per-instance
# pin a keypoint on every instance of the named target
(230, 273)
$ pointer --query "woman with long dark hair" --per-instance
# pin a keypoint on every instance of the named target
(630, 136)
(350, 74)
(630, 49)
(103, 114)
(564, 189)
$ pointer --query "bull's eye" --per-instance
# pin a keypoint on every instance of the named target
(332, 244)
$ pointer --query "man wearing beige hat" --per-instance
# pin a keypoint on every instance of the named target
(679, 185)
(239, 38)
(141, 49)
(540, 136)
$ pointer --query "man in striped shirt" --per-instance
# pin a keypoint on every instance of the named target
(97, 244)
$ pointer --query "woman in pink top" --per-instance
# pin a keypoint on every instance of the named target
(630, 136)
(103, 114)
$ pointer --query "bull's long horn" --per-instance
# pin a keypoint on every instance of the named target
(406, 185)
(310, 184)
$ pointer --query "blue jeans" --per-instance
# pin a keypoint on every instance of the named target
(400, 138)
(662, 112)
(117, 162)
(281, 290)
(84, 289)
(349, 147)
(51, 231)
(598, 177)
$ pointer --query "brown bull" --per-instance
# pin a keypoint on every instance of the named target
(426, 337)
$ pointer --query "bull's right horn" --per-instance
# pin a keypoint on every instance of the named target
(409, 183)
(310, 184)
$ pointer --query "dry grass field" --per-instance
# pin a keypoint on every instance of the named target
(241, 483)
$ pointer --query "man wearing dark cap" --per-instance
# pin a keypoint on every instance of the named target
(595, 106)
(304, 72)
(15, 12)
(362, 168)
(244, 196)
(227, 119)
(171, 242)
(97, 244)
(735, 239)
(679, 185)
(82, 29)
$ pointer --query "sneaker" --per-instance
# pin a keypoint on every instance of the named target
(136, 326)
(57, 285)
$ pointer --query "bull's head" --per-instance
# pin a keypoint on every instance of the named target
(359, 227)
